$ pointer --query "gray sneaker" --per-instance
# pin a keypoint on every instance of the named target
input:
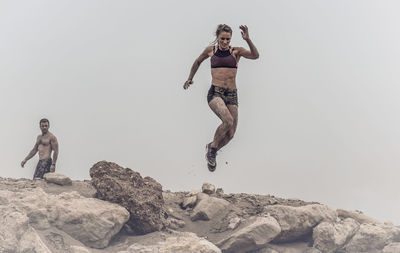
(210, 157)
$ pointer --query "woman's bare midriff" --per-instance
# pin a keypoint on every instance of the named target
(224, 77)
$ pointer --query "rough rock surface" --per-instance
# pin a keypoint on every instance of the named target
(256, 234)
(91, 221)
(42, 217)
(329, 237)
(209, 208)
(298, 222)
(142, 197)
(208, 188)
(57, 178)
(392, 248)
(179, 242)
(15, 233)
(356, 215)
(372, 238)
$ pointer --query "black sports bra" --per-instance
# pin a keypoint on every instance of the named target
(223, 59)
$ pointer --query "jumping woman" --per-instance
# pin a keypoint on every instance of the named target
(222, 96)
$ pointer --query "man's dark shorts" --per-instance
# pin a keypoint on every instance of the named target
(229, 96)
(42, 167)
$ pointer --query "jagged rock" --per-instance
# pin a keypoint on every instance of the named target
(208, 208)
(179, 242)
(313, 250)
(256, 234)
(173, 223)
(57, 178)
(299, 247)
(193, 193)
(91, 221)
(392, 248)
(219, 192)
(78, 249)
(329, 237)
(15, 233)
(189, 202)
(234, 223)
(356, 215)
(294, 247)
(372, 238)
(201, 196)
(142, 197)
(298, 222)
(208, 188)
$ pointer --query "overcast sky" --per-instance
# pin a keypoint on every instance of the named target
(319, 111)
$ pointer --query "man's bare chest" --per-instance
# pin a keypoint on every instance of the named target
(44, 141)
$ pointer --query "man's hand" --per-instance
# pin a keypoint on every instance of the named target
(53, 168)
(23, 163)
(187, 84)
(245, 32)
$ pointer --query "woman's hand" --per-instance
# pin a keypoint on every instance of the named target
(245, 32)
(187, 84)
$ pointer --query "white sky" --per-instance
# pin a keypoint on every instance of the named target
(318, 115)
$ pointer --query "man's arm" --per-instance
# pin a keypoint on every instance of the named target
(204, 55)
(54, 147)
(32, 153)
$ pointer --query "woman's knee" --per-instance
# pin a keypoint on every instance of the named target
(228, 122)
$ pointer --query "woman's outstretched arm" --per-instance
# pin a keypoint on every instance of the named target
(196, 66)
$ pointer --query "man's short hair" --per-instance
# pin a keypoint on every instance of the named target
(44, 121)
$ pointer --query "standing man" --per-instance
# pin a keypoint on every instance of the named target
(45, 144)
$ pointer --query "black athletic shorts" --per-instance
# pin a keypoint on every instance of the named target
(229, 96)
(42, 167)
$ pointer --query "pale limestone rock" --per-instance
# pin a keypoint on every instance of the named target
(208, 208)
(234, 223)
(79, 249)
(201, 196)
(208, 188)
(392, 248)
(356, 215)
(31, 242)
(297, 222)
(189, 202)
(372, 238)
(57, 178)
(257, 234)
(179, 242)
(329, 237)
(219, 192)
(89, 220)
(173, 223)
(15, 233)
(193, 193)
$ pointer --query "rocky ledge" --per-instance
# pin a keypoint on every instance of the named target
(118, 211)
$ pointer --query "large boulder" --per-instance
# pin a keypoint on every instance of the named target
(298, 222)
(92, 221)
(208, 208)
(372, 238)
(57, 178)
(258, 232)
(178, 242)
(16, 235)
(142, 197)
(329, 237)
